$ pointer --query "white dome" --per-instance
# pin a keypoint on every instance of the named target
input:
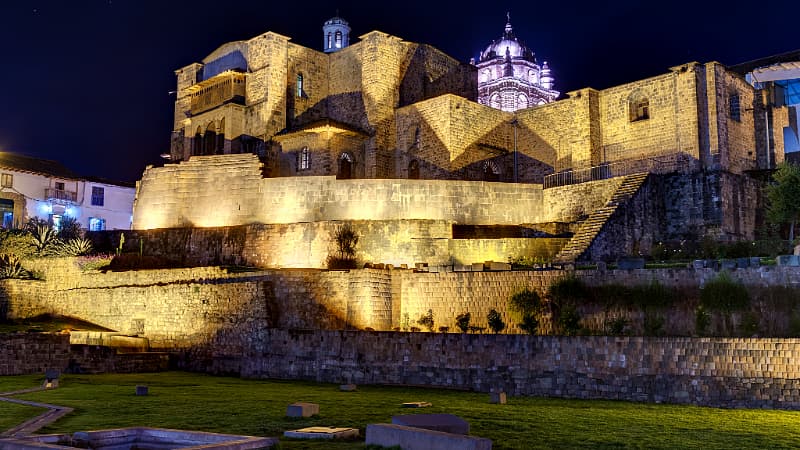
(507, 42)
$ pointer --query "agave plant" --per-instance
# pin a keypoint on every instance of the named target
(43, 238)
(10, 266)
(74, 247)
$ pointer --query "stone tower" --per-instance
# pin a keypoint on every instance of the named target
(335, 34)
(509, 77)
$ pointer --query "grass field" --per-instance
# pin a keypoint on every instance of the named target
(200, 402)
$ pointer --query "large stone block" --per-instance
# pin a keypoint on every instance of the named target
(302, 409)
(409, 438)
(447, 423)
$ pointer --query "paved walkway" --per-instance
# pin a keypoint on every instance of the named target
(53, 413)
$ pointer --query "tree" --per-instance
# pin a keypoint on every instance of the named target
(525, 305)
(495, 321)
(783, 197)
(462, 321)
(426, 320)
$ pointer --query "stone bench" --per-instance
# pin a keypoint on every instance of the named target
(302, 409)
(409, 438)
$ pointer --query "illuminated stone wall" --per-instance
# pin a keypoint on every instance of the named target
(731, 373)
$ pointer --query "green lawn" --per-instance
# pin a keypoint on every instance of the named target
(200, 402)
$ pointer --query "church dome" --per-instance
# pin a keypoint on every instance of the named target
(508, 43)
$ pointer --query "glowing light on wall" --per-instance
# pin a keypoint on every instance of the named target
(45, 208)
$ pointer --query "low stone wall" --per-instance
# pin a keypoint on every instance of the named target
(35, 353)
(752, 373)
(29, 353)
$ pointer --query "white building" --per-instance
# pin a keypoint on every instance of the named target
(32, 187)
(509, 78)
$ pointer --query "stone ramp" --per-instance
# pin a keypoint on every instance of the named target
(592, 226)
(53, 413)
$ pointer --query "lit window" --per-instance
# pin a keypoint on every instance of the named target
(55, 219)
(338, 39)
(98, 195)
(97, 224)
(300, 85)
(7, 180)
(639, 109)
(330, 38)
(303, 159)
(734, 107)
(59, 185)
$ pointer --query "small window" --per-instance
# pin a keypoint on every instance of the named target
(7, 180)
(300, 90)
(338, 39)
(97, 224)
(417, 137)
(330, 39)
(639, 109)
(303, 159)
(97, 196)
(59, 185)
(734, 107)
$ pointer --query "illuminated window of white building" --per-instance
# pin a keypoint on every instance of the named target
(97, 224)
(303, 159)
(7, 180)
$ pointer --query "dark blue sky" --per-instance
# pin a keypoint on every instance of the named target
(86, 82)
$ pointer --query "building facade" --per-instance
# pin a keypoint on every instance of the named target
(44, 189)
(384, 108)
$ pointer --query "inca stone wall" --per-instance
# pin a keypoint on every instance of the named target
(35, 353)
(732, 373)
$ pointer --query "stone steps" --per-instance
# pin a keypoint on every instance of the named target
(592, 226)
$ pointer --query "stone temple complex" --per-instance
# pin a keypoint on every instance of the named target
(396, 138)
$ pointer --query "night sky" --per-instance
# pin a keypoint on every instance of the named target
(86, 82)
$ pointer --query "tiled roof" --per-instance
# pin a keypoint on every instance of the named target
(15, 161)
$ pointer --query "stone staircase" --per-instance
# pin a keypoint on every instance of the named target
(593, 224)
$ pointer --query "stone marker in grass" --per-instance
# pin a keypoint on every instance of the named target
(447, 423)
(347, 387)
(142, 390)
(302, 409)
(416, 405)
(498, 398)
(51, 378)
(322, 433)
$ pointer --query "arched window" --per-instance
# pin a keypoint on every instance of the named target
(345, 167)
(300, 88)
(413, 170)
(522, 101)
(330, 40)
(734, 108)
(417, 137)
(533, 77)
(490, 171)
(338, 39)
(638, 107)
(494, 101)
(303, 159)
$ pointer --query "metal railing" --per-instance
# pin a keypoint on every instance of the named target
(676, 162)
(60, 194)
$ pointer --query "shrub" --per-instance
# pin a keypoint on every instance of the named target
(654, 294)
(69, 228)
(749, 324)
(569, 321)
(653, 325)
(96, 262)
(702, 320)
(426, 320)
(132, 261)
(444, 329)
(462, 321)
(568, 290)
(524, 302)
(17, 242)
(724, 294)
(495, 321)
(529, 324)
(616, 326)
